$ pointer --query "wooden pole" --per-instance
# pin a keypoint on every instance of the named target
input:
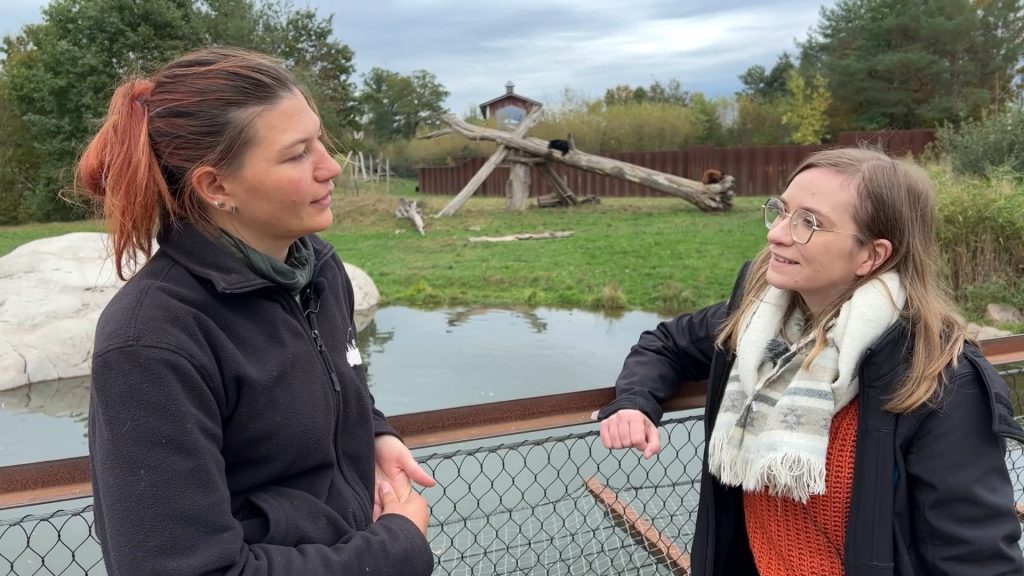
(661, 548)
(559, 185)
(531, 119)
(517, 189)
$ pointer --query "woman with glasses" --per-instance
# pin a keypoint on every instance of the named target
(851, 426)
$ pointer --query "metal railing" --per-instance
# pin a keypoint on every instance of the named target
(535, 503)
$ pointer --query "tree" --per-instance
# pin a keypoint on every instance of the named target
(657, 93)
(303, 40)
(908, 64)
(758, 122)
(396, 106)
(60, 74)
(806, 108)
(759, 83)
(14, 186)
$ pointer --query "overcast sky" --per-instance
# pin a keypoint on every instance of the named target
(544, 47)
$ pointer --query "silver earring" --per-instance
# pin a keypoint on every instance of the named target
(233, 209)
(218, 204)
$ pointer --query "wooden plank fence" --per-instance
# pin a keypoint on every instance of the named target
(759, 170)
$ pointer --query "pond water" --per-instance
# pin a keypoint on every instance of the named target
(417, 360)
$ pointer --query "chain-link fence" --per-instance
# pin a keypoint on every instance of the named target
(521, 507)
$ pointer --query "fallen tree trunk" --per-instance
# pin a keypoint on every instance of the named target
(408, 209)
(710, 198)
(523, 236)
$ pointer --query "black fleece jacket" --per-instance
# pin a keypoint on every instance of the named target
(931, 491)
(228, 432)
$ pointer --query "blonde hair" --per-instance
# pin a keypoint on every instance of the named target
(895, 201)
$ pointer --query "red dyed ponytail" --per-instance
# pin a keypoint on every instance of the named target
(119, 167)
(195, 111)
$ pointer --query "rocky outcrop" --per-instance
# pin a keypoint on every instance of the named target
(51, 294)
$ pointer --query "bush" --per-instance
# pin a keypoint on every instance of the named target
(981, 226)
(977, 147)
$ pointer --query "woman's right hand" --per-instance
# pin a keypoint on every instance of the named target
(631, 429)
(413, 506)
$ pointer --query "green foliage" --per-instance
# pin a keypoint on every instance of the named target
(978, 147)
(611, 298)
(657, 93)
(598, 127)
(981, 229)
(407, 155)
(910, 64)
(759, 122)
(14, 186)
(58, 76)
(303, 40)
(397, 106)
(806, 108)
(765, 85)
(672, 296)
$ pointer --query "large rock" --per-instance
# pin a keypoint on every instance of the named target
(979, 332)
(1003, 314)
(51, 294)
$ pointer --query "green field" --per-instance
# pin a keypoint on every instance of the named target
(626, 253)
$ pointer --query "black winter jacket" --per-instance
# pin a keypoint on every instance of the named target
(222, 440)
(931, 491)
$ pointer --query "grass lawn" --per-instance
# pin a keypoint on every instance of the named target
(654, 253)
(627, 253)
(13, 236)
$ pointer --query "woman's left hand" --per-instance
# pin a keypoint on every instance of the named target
(396, 465)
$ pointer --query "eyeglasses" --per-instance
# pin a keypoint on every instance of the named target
(802, 224)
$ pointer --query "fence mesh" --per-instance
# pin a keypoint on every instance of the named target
(521, 507)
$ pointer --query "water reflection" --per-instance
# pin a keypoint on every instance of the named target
(416, 359)
(459, 317)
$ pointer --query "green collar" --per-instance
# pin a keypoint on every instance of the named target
(293, 274)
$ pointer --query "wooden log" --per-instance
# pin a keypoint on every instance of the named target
(408, 209)
(523, 236)
(642, 530)
(531, 119)
(715, 198)
(517, 189)
(513, 159)
(436, 134)
(552, 200)
(558, 184)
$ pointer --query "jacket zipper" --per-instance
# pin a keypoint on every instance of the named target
(310, 319)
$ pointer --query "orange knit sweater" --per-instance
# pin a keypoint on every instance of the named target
(787, 537)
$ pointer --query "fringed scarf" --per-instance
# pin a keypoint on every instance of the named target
(773, 425)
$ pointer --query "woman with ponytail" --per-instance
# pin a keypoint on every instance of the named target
(231, 429)
(851, 427)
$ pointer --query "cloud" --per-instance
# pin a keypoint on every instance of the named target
(545, 46)
(586, 46)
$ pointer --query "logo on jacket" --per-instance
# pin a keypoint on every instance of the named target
(352, 354)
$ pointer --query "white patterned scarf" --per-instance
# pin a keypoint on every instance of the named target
(773, 425)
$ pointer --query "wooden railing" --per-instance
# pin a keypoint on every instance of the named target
(69, 479)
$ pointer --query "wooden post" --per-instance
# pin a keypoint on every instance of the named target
(560, 187)
(387, 175)
(517, 190)
(531, 119)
